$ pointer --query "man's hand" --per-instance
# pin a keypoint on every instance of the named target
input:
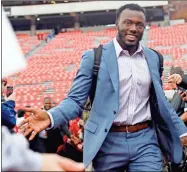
(80, 147)
(74, 140)
(52, 162)
(183, 96)
(175, 78)
(184, 117)
(38, 121)
(184, 140)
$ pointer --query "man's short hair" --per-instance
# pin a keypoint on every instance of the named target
(134, 7)
(176, 70)
(47, 98)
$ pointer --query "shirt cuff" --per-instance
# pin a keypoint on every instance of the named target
(185, 109)
(52, 121)
(185, 134)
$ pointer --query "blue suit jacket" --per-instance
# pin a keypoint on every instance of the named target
(106, 104)
(8, 114)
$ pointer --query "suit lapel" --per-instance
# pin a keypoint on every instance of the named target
(151, 58)
(109, 55)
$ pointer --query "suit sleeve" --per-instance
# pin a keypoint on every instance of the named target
(72, 106)
(183, 84)
(179, 124)
(8, 114)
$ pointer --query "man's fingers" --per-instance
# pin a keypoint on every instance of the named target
(184, 141)
(22, 130)
(180, 92)
(175, 78)
(22, 123)
(32, 110)
(23, 127)
(69, 165)
(33, 134)
(170, 78)
(178, 80)
(183, 95)
(28, 132)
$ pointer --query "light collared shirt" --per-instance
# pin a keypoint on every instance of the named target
(135, 83)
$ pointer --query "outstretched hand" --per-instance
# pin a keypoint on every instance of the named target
(36, 122)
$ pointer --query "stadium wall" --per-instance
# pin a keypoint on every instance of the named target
(75, 7)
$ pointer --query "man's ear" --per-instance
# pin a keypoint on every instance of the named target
(117, 25)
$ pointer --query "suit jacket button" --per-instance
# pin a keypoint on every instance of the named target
(106, 130)
(114, 112)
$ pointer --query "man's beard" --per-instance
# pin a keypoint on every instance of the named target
(120, 35)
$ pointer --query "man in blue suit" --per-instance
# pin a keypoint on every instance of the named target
(129, 110)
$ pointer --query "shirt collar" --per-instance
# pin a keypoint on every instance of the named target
(119, 49)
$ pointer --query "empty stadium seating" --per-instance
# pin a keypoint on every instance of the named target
(170, 42)
(51, 70)
(27, 42)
